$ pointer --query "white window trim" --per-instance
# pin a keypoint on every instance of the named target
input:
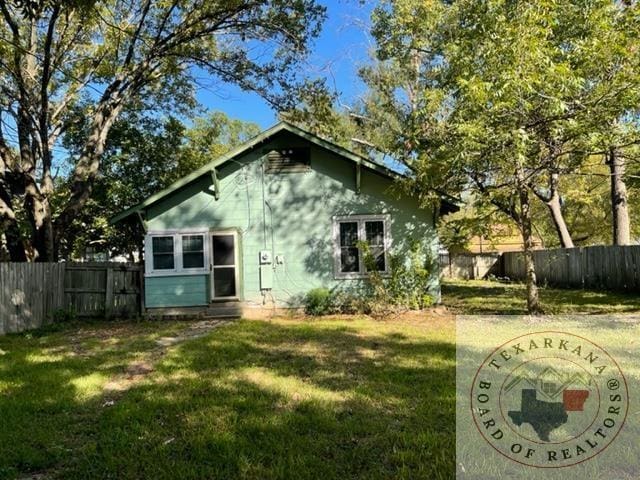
(177, 253)
(360, 219)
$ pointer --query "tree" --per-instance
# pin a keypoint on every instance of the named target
(550, 195)
(211, 136)
(111, 55)
(143, 155)
(506, 97)
(585, 209)
(362, 127)
(619, 202)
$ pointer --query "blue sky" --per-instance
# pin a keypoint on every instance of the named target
(342, 47)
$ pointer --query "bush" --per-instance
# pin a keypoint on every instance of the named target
(406, 285)
(349, 303)
(64, 315)
(404, 288)
(318, 302)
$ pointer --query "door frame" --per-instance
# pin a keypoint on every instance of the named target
(236, 264)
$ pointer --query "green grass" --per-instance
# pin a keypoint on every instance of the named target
(297, 399)
(51, 384)
(330, 398)
(480, 297)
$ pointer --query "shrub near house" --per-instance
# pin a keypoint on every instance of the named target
(282, 214)
(404, 287)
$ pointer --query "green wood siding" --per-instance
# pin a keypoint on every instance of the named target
(290, 214)
(176, 291)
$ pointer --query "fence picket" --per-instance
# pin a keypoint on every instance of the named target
(469, 266)
(609, 267)
(30, 293)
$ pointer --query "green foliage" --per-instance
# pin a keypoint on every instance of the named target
(498, 99)
(356, 128)
(322, 301)
(318, 301)
(473, 219)
(491, 94)
(143, 155)
(315, 112)
(66, 63)
(210, 137)
(64, 315)
(586, 200)
(405, 287)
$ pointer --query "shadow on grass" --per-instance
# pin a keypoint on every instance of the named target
(493, 298)
(51, 384)
(286, 400)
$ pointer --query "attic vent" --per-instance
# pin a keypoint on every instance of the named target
(288, 160)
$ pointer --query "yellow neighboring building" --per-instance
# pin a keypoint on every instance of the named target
(505, 238)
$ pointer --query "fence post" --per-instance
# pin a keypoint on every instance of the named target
(108, 294)
(141, 294)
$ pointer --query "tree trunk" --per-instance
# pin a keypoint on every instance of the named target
(42, 232)
(619, 205)
(39, 211)
(87, 166)
(552, 200)
(9, 226)
(15, 247)
(559, 223)
(533, 301)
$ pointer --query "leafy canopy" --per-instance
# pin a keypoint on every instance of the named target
(62, 59)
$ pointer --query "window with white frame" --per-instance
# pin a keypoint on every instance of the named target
(192, 251)
(171, 253)
(163, 253)
(349, 231)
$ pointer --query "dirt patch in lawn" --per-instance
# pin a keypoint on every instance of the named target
(137, 370)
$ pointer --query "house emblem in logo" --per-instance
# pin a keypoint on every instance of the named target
(549, 399)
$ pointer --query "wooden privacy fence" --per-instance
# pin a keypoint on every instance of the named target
(609, 267)
(468, 266)
(31, 293)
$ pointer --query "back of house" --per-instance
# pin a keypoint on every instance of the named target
(264, 224)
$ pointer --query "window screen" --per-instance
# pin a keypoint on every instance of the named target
(349, 253)
(224, 269)
(374, 231)
(350, 259)
(223, 250)
(224, 282)
(163, 253)
(192, 251)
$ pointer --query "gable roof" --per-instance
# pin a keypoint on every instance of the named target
(282, 126)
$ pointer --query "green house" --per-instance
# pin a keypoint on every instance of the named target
(265, 223)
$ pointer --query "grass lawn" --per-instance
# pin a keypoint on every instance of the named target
(330, 398)
(51, 386)
(481, 297)
(287, 398)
